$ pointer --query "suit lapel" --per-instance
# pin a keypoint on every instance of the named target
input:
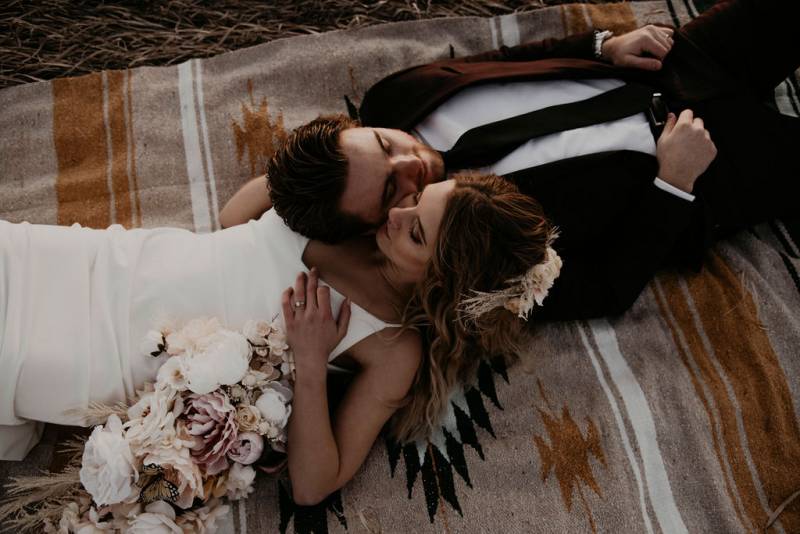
(405, 98)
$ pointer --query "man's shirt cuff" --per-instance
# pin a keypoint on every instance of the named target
(669, 188)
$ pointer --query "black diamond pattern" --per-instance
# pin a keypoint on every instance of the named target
(309, 519)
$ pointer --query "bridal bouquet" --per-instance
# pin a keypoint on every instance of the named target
(164, 462)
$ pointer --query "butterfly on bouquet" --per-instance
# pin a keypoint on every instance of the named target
(154, 485)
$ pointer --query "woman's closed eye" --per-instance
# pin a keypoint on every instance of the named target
(414, 233)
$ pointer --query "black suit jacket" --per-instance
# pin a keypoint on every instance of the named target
(616, 226)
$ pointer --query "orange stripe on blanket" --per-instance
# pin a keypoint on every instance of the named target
(743, 349)
(90, 124)
(731, 486)
(574, 19)
(728, 319)
(80, 142)
(119, 148)
(579, 18)
(618, 18)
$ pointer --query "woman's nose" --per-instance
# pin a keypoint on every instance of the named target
(397, 214)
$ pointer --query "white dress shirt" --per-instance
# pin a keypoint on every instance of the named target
(483, 104)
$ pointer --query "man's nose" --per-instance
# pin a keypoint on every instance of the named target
(408, 170)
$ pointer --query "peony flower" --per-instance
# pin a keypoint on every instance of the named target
(108, 470)
(211, 420)
(172, 374)
(222, 358)
(247, 417)
(192, 336)
(158, 518)
(151, 421)
(247, 448)
(202, 520)
(256, 331)
(240, 481)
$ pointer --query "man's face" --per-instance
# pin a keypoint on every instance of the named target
(383, 167)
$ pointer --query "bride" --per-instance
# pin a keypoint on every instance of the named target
(427, 296)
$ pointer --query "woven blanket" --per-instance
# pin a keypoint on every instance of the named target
(679, 416)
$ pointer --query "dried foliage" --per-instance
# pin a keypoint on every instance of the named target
(45, 39)
(34, 500)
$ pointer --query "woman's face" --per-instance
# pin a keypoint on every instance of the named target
(408, 236)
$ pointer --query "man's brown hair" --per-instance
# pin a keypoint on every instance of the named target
(307, 177)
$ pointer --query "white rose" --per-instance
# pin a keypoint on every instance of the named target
(172, 373)
(224, 359)
(240, 481)
(107, 467)
(256, 331)
(153, 343)
(158, 518)
(247, 417)
(273, 407)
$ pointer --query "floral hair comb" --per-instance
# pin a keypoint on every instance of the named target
(520, 293)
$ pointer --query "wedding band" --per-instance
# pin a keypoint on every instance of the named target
(299, 303)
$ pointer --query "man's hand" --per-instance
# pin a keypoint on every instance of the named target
(644, 48)
(684, 150)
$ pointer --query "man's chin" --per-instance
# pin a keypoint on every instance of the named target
(435, 167)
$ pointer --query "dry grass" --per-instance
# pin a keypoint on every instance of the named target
(45, 39)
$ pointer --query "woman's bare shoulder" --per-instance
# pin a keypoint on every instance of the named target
(393, 357)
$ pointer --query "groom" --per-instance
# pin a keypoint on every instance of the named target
(642, 147)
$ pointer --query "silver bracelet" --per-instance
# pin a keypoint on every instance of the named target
(600, 38)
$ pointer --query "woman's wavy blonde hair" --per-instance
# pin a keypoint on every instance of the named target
(490, 232)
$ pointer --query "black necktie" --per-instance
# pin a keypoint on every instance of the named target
(486, 144)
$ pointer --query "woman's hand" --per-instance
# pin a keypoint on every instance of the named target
(311, 330)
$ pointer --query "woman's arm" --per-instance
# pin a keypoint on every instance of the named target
(323, 455)
(249, 202)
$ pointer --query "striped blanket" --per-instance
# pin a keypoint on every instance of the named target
(680, 416)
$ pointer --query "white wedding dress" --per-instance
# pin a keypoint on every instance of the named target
(76, 303)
